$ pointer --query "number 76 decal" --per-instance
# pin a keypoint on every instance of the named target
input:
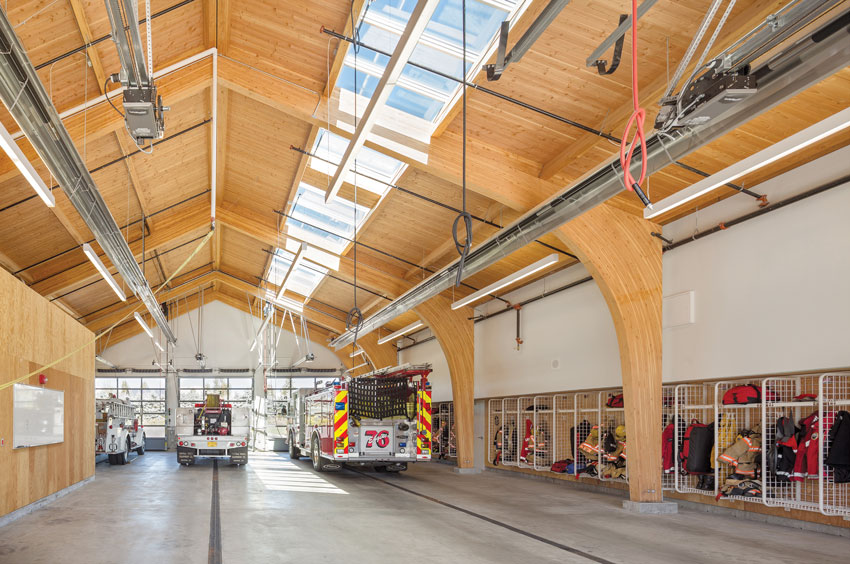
(381, 439)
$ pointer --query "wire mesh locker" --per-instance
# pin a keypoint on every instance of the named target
(779, 417)
(495, 433)
(834, 483)
(693, 403)
(525, 433)
(668, 401)
(542, 433)
(730, 421)
(510, 431)
(451, 452)
(563, 435)
(587, 434)
(612, 437)
(436, 431)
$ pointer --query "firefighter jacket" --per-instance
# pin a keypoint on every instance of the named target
(668, 459)
(808, 446)
(744, 454)
(727, 434)
(590, 446)
(839, 448)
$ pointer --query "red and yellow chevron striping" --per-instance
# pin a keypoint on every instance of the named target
(341, 424)
(423, 437)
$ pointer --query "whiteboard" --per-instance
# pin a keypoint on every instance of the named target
(39, 416)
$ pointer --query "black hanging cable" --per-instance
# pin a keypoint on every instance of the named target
(354, 319)
(463, 247)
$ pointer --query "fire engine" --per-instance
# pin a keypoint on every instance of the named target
(213, 429)
(381, 419)
(117, 430)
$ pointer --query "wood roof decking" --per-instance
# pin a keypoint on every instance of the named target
(273, 68)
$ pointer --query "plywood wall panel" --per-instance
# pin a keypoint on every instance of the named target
(36, 333)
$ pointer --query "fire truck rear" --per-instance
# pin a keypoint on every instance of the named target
(381, 419)
(213, 429)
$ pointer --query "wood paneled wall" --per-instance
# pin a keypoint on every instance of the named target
(35, 333)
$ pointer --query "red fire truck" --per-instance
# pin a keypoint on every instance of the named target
(381, 419)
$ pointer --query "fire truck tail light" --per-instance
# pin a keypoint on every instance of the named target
(244, 443)
(193, 444)
(110, 426)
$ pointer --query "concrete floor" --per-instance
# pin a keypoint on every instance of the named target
(275, 510)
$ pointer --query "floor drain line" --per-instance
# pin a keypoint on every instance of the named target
(214, 553)
(517, 530)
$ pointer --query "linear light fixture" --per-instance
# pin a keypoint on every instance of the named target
(98, 264)
(143, 324)
(800, 140)
(293, 266)
(507, 280)
(309, 357)
(25, 167)
(102, 360)
(158, 346)
(353, 368)
(400, 332)
(358, 352)
(253, 345)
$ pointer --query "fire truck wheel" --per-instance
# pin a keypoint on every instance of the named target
(124, 457)
(294, 451)
(380, 468)
(141, 449)
(113, 459)
(318, 461)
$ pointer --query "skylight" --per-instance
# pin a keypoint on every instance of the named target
(305, 278)
(329, 226)
(370, 163)
(421, 94)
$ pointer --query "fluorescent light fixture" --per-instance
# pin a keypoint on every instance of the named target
(358, 352)
(800, 140)
(507, 280)
(98, 264)
(353, 368)
(25, 167)
(253, 345)
(143, 324)
(293, 266)
(102, 360)
(400, 332)
(158, 346)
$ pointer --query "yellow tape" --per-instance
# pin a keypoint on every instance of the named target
(114, 325)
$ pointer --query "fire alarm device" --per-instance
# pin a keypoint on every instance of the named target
(42, 379)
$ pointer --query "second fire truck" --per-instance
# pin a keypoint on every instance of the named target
(381, 419)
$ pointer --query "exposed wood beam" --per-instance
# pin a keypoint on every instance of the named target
(222, 40)
(210, 20)
(193, 217)
(216, 248)
(419, 18)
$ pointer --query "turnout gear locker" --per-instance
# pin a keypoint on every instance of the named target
(839, 448)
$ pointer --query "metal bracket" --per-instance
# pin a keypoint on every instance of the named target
(494, 71)
(615, 57)
(618, 33)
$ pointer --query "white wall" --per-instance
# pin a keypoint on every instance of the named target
(440, 378)
(771, 294)
(227, 336)
(568, 340)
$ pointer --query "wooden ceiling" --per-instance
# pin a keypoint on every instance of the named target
(272, 94)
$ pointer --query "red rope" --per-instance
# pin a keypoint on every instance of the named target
(627, 149)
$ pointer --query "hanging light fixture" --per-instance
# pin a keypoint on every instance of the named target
(101, 268)
(143, 324)
(507, 280)
(400, 332)
(25, 167)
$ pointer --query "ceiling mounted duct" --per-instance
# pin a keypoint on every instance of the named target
(24, 95)
(804, 63)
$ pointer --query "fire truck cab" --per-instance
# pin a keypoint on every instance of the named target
(380, 419)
